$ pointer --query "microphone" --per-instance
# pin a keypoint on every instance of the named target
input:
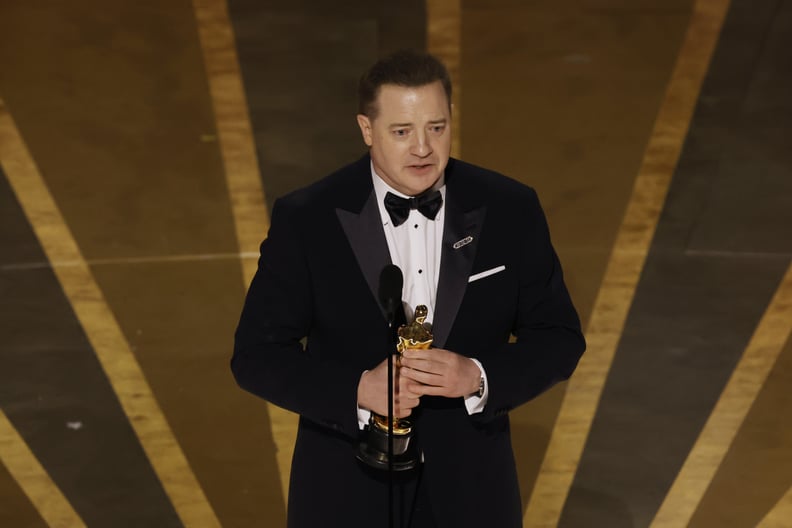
(381, 445)
(390, 290)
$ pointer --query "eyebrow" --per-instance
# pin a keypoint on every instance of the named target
(432, 122)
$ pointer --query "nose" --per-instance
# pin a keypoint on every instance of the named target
(421, 146)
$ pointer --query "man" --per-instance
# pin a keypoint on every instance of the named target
(475, 249)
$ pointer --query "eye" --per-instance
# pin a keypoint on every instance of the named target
(437, 129)
(400, 132)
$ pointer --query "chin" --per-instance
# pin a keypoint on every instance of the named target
(417, 186)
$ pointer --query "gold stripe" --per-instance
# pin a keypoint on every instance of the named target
(726, 419)
(245, 190)
(237, 148)
(103, 331)
(33, 479)
(624, 267)
(443, 22)
(779, 516)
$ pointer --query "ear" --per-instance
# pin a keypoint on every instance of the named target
(365, 128)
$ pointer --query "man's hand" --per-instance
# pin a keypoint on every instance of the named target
(373, 391)
(439, 372)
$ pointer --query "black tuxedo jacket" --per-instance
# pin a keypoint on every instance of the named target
(318, 279)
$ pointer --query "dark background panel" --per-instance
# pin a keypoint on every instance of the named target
(19, 245)
(721, 248)
(564, 98)
(113, 103)
(301, 63)
(112, 100)
(749, 208)
(15, 507)
(179, 319)
(757, 470)
(54, 391)
(689, 324)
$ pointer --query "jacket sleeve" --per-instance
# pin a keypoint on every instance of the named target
(548, 340)
(269, 359)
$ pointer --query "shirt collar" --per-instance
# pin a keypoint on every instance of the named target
(381, 188)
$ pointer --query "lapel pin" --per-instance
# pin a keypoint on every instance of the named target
(464, 242)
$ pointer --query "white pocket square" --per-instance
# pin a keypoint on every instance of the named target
(487, 273)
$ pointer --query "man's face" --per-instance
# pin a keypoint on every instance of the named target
(410, 138)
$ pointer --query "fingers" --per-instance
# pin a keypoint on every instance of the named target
(419, 372)
(428, 367)
(423, 365)
(405, 398)
(421, 376)
(406, 390)
(436, 354)
(439, 372)
(424, 361)
(431, 390)
(373, 391)
(403, 407)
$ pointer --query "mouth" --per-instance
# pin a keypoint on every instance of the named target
(420, 167)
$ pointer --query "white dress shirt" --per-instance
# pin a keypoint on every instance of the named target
(415, 247)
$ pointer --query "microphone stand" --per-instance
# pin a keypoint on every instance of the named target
(390, 292)
(391, 317)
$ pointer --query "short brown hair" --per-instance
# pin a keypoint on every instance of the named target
(403, 68)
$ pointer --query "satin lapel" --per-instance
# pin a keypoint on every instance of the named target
(455, 265)
(367, 238)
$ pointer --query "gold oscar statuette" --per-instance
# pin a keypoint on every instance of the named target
(374, 449)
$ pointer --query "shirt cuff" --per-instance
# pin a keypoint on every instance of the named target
(473, 403)
(363, 415)
(363, 418)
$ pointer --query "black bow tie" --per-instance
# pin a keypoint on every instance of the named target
(428, 204)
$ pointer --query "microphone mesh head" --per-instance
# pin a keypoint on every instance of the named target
(390, 287)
